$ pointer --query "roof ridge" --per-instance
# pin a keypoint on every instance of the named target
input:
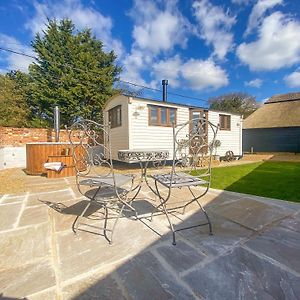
(284, 97)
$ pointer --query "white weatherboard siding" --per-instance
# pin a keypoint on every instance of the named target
(118, 135)
(230, 140)
(135, 132)
(143, 136)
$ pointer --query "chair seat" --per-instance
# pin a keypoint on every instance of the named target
(106, 180)
(105, 194)
(179, 180)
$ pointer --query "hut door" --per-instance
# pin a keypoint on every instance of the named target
(195, 115)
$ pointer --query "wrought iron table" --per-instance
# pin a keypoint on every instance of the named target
(144, 157)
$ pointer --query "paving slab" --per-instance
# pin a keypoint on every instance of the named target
(33, 216)
(24, 246)
(9, 215)
(27, 279)
(52, 196)
(84, 251)
(252, 214)
(144, 277)
(292, 223)
(243, 275)
(46, 294)
(226, 234)
(13, 199)
(180, 258)
(280, 244)
(98, 286)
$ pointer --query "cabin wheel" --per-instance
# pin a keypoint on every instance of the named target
(159, 163)
(229, 155)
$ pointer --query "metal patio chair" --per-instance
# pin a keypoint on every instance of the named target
(95, 176)
(191, 168)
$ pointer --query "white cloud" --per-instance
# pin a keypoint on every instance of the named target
(83, 17)
(293, 80)
(133, 64)
(156, 29)
(258, 12)
(240, 2)
(13, 60)
(215, 26)
(195, 74)
(254, 83)
(168, 69)
(278, 44)
(204, 74)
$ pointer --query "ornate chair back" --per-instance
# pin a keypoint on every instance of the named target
(193, 147)
(91, 149)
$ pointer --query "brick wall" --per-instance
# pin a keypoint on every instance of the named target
(10, 136)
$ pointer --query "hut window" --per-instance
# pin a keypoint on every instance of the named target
(161, 116)
(115, 116)
(225, 121)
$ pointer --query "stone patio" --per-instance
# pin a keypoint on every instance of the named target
(253, 254)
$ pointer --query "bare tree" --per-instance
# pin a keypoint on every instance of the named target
(240, 103)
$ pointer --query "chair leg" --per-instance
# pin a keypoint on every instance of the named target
(207, 218)
(171, 224)
(129, 206)
(115, 223)
(202, 208)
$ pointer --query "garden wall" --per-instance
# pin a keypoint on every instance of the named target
(13, 143)
(16, 137)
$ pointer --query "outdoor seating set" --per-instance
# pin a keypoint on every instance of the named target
(115, 193)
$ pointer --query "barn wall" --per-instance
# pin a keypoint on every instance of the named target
(272, 139)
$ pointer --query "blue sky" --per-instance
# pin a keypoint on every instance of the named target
(204, 48)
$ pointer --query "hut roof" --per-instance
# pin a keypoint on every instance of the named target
(279, 111)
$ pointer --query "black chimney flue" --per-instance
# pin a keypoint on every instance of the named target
(165, 89)
(56, 123)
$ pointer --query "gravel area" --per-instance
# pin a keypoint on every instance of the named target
(12, 181)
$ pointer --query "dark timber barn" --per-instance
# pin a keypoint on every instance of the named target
(274, 127)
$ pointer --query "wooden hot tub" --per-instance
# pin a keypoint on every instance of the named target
(37, 154)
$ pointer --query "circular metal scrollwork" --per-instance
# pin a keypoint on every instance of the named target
(158, 163)
(229, 156)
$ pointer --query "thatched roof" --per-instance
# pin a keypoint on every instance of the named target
(279, 111)
(284, 97)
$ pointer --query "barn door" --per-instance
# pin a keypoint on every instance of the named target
(195, 115)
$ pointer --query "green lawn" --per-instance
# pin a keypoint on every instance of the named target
(279, 180)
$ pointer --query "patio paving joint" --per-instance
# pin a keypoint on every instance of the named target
(271, 260)
(210, 259)
(54, 251)
(72, 193)
(23, 206)
(118, 280)
(3, 197)
(169, 268)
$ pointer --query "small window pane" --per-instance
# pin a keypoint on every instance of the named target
(154, 115)
(115, 116)
(196, 115)
(172, 116)
(225, 121)
(163, 115)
